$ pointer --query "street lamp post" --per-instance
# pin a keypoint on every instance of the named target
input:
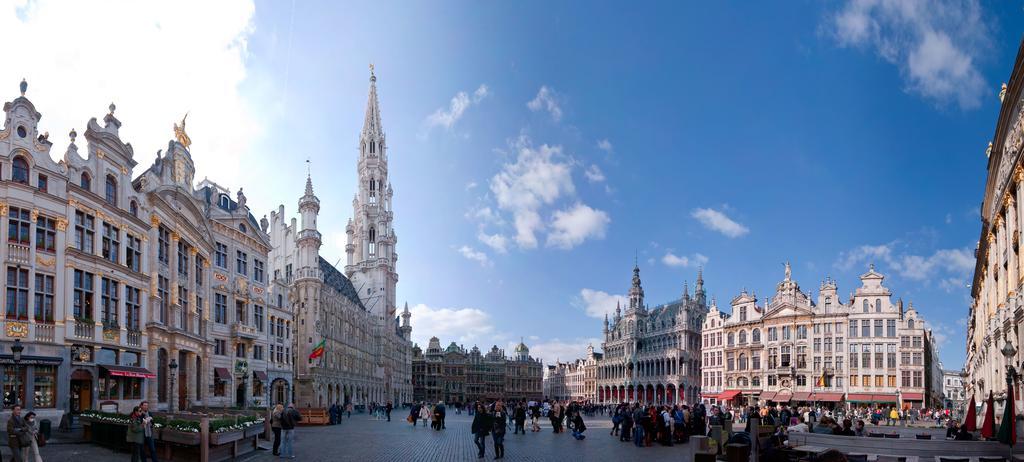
(173, 366)
(16, 350)
(963, 386)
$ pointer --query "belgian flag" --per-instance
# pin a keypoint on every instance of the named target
(318, 351)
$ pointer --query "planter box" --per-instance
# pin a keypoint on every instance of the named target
(174, 436)
(254, 430)
(226, 437)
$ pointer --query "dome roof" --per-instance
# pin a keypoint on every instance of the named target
(521, 348)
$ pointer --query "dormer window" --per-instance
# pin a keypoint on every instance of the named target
(111, 190)
(133, 208)
(865, 304)
(224, 202)
(86, 182)
(241, 227)
(878, 305)
(19, 171)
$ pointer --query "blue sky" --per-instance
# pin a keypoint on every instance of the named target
(536, 147)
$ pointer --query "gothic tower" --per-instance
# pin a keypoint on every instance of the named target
(371, 238)
(305, 293)
(636, 292)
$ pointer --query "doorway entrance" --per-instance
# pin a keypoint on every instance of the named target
(240, 395)
(81, 391)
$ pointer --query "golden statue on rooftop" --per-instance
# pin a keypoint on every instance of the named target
(179, 133)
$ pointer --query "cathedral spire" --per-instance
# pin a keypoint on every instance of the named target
(371, 124)
(636, 292)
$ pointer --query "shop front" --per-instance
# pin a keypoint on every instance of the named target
(32, 381)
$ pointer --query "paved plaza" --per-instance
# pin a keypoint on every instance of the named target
(364, 439)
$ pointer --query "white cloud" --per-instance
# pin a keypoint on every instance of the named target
(497, 242)
(951, 264)
(475, 255)
(594, 174)
(716, 220)
(671, 259)
(462, 325)
(155, 62)
(538, 177)
(471, 185)
(940, 332)
(576, 224)
(605, 145)
(562, 350)
(598, 303)
(456, 108)
(546, 100)
(935, 45)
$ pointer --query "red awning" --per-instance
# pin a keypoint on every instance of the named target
(709, 395)
(828, 397)
(913, 397)
(783, 397)
(128, 371)
(859, 397)
(222, 373)
(768, 395)
(884, 398)
(260, 375)
(728, 394)
(802, 396)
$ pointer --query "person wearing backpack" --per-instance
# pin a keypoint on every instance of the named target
(289, 419)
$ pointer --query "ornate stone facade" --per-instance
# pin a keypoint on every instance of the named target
(367, 351)
(791, 349)
(456, 375)
(652, 354)
(997, 311)
(112, 279)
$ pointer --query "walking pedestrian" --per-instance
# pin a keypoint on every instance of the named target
(414, 414)
(520, 418)
(289, 418)
(275, 426)
(439, 412)
(499, 421)
(149, 443)
(17, 434)
(425, 413)
(387, 410)
(480, 428)
(134, 435)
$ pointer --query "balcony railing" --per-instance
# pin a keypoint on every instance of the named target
(45, 333)
(85, 330)
(134, 338)
(17, 253)
(241, 330)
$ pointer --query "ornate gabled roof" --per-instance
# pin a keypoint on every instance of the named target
(340, 283)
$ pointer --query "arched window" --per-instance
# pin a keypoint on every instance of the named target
(743, 337)
(242, 228)
(111, 190)
(19, 171)
(373, 191)
(371, 147)
(86, 182)
(755, 382)
(133, 208)
(910, 324)
(743, 314)
(224, 202)
(373, 241)
(755, 335)
(743, 362)
(865, 304)
(731, 339)
(878, 305)
(828, 303)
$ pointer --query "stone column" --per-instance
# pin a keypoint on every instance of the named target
(1013, 262)
(172, 263)
(191, 372)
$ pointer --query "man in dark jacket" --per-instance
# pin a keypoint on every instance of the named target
(439, 415)
(387, 410)
(578, 427)
(480, 428)
(520, 418)
(289, 419)
(16, 429)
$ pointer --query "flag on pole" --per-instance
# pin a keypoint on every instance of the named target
(1008, 428)
(318, 351)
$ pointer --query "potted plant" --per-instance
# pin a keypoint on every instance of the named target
(180, 431)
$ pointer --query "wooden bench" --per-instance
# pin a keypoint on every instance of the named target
(923, 450)
(314, 416)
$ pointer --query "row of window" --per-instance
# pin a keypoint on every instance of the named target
(21, 173)
(110, 301)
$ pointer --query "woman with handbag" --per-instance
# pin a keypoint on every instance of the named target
(135, 434)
